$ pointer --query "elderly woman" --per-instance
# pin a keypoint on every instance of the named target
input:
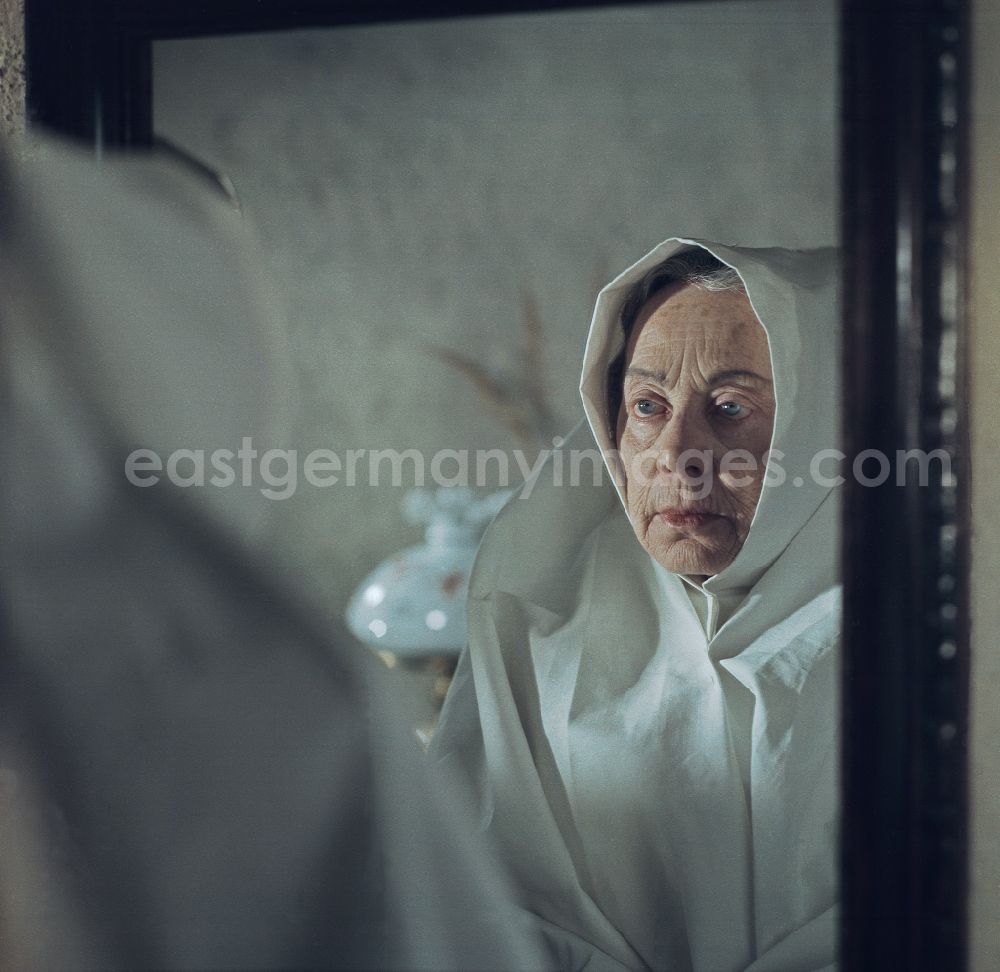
(647, 709)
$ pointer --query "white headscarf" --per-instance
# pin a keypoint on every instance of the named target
(659, 764)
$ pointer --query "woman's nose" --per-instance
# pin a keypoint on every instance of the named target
(684, 446)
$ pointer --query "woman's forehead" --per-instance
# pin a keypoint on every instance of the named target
(689, 327)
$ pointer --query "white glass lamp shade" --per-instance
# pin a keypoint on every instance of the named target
(413, 603)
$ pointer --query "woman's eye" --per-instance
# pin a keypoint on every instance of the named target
(645, 406)
(733, 409)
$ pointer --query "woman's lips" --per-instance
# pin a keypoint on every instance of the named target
(680, 517)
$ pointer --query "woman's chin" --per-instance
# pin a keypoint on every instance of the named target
(705, 549)
(686, 555)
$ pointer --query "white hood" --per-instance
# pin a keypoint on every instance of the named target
(792, 294)
(664, 787)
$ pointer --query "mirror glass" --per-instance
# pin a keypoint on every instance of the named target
(438, 203)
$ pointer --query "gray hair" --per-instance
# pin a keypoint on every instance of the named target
(695, 266)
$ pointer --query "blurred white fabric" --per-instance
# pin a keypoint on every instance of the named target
(195, 771)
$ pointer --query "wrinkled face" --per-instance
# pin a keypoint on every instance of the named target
(695, 425)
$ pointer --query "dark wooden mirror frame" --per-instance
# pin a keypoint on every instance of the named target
(904, 158)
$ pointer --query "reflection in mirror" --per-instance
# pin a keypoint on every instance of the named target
(650, 721)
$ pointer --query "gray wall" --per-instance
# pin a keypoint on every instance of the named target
(410, 183)
(11, 67)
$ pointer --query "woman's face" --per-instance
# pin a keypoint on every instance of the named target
(695, 425)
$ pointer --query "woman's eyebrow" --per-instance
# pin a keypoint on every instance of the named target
(738, 374)
(658, 376)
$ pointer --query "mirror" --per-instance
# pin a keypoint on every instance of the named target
(902, 115)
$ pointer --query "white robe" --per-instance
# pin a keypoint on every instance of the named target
(659, 762)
